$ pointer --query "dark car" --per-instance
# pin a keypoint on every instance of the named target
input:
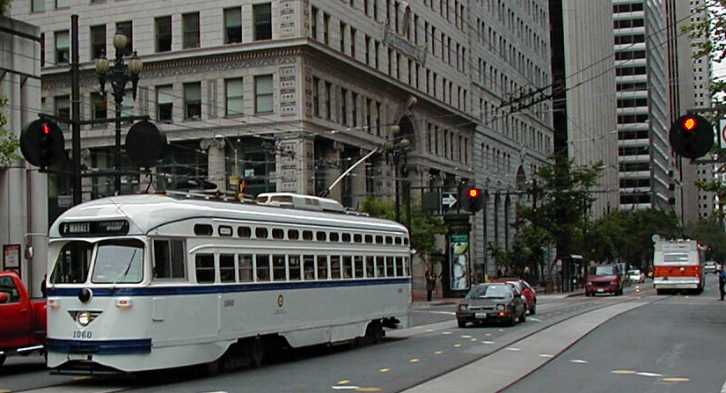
(604, 279)
(499, 302)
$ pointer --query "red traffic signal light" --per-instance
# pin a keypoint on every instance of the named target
(42, 143)
(473, 199)
(691, 136)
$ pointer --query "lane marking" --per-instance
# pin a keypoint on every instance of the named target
(472, 340)
(488, 335)
(343, 382)
(675, 379)
(438, 352)
(442, 312)
(513, 349)
(349, 387)
(384, 370)
(488, 342)
(5, 391)
(457, 345)
(645, 374)
(86, 377)
(545, 355)
(534, 319)
(623, 372)
(429, 330)
(579, 361)
(445, 333)
(500, 330)
(369, 389)
(466, 336)
(414, 360)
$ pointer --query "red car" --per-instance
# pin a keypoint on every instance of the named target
(23, 326)
(529, 294)
(604, 279)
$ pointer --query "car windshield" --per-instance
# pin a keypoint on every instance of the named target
(119, 261)
(605, 270)
(490, 292)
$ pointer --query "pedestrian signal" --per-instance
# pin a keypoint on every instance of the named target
(42, 143)
(691, 136)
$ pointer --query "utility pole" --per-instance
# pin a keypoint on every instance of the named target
(75, 113)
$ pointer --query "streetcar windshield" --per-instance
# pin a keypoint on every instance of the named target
(73, 263)
(119, 262)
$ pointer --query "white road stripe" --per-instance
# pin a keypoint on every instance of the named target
(346, 387)
(644, 374)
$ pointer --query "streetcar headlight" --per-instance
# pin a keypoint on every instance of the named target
(84, 318)
(501, 307)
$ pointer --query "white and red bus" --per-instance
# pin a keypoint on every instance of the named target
(678, 264)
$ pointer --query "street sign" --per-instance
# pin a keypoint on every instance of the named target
(448, 200)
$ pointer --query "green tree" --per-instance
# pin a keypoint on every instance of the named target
(8, 141)
(4, 6)
(709, 232)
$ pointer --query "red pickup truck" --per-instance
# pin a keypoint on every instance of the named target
(23, 320)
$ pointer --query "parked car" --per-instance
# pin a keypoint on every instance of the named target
(23, 326)
(710, 267)
(635, 275)
(529, 294)
(499, 302)
(604, 279)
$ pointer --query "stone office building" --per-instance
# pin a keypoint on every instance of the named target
(287, 94)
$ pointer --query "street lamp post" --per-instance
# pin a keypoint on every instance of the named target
(119, 75)
(397, 152)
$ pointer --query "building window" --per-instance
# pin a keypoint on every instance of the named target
(352, 42)
(316, 97)
(314, 24)
(344, 106)
(190, 27)
(98, 108)
(328, 99)
(42, 49)
(232, 25)
(163, 33)
(127, 29)
(377, 48)
(62, 4)
(98, 41)
(233, 89)
(263, 94)
(164, 103)
(193, 101)
(62, 47)
(37, 6)
(355, 109)
(262, 14)
(326, 29)
(342, 37)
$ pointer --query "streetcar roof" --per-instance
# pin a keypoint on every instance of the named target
(148, 211)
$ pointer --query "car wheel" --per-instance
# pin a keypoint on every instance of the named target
(460, 323)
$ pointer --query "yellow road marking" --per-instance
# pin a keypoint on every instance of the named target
(82, 378)
(384, 370)
(623, 372)
(438, 352)
(368, 389)
(414, 360)
(343, 382)
(675, 379)
(457, 345)
(5, 391)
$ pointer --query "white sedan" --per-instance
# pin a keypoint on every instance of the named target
(636, 275)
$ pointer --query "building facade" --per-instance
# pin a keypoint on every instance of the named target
(23, 190)
(287, 94)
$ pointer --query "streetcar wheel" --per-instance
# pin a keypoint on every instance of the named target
(256, 352)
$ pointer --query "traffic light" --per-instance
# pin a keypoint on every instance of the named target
(691, 136)
(42, 143)
(473, 199)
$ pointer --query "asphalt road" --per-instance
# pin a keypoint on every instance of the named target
(675, 344)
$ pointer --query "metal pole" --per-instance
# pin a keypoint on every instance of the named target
(75, 114)
(396, 180)
(117, 151)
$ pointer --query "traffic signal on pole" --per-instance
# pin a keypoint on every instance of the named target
(691, 136)
(42, 143)
(473, 199)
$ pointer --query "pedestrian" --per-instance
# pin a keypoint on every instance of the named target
(430, 284)
(721, 282)
(43, 289)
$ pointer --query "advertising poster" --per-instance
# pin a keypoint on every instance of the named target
(458, 254)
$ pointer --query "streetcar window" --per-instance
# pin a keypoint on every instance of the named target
(261, 233)
(169, 261)
(358, 263)
(334, 237)
(119, 261)
(263, 267)
(294, 267)
(389, 267)
(73, 263)
(203, 230)
(307, 235)
(346, 237)
(389, 240)
(224, 230)
(309, 267)
(368, 239)
(322, 267)
(405, 240)
(278, 268)
(357, 238)
(369, 267)
(380, 267)
(293, 234)
(320, 236)
(379, 239)
(398, 240)
(278, 233)
(397, 270)
(404, 267)
(335, 267)
(347, 267)
(226, 268)
(244, 232)
(204, 268)
(245, 267)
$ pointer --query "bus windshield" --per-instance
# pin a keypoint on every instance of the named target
(119, 261)
(73, 263)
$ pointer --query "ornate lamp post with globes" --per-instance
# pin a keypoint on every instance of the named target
(119, 74)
